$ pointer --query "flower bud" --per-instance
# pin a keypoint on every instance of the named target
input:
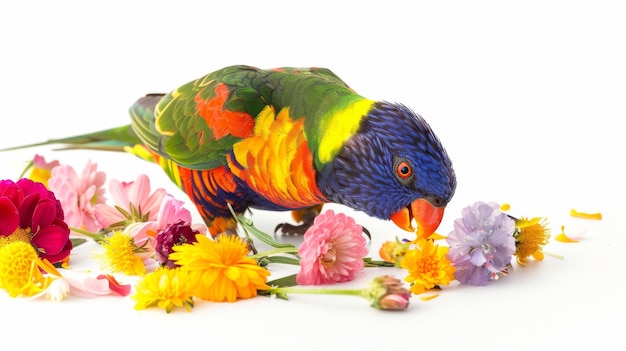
(388, 293)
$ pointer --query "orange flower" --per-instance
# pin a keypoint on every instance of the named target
(428, 266)
(221, 268)
(530, 237)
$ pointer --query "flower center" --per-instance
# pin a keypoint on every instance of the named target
(426, 265)
(119, 255)
(329, 257)
(20, 234)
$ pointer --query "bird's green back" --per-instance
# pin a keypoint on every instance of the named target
(198, 124)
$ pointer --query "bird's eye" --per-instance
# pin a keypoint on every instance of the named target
(404, 170)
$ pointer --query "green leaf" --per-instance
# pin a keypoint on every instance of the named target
(248, 226)
(77, 241)
(283, 260)
(369, 262)
(286, 281)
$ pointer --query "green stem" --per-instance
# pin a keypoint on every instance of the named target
(377, 263)
(275, 251)
(98, 237)
(293, 290)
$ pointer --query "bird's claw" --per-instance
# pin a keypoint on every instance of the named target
(291, 229)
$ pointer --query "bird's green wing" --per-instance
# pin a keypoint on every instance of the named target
(198, 124)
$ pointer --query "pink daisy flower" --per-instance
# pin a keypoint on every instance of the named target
(171, 211)
(79, 194)
(134, 202)
(332, 251)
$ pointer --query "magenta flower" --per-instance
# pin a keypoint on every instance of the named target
(332, 251)
(79, 194)
(134, 202)
(481, 244)
(29, 212)
(176, 234)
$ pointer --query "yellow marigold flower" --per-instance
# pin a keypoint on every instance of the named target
(221, 267)
(427, 265)
(120, 255)
(166, 288)
(19, 271)
(530, 237)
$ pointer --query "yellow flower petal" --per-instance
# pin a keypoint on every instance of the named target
(564, 238)
(585, 215)
(430, 297)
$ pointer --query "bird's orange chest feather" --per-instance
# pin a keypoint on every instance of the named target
(276, 161)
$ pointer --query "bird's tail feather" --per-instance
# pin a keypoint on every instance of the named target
(113, 139)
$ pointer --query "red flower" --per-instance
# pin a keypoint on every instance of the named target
(30, 212)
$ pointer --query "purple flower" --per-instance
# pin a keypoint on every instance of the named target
(481, 244)
(175, 234)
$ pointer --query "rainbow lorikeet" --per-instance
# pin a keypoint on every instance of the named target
(288, 139)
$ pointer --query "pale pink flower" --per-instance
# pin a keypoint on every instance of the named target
(79, 194)
(94, 287)
(135, 203)
(332, 251)
(144, 234)
(61, 286)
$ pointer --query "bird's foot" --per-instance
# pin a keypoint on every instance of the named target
(292, 229)
(305, 216)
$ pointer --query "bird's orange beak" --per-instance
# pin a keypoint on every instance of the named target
(426, 215)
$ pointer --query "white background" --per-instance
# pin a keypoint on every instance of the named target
(527, 97)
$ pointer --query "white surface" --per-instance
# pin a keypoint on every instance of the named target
(527, 99)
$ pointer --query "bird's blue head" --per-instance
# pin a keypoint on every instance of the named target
(394, 168)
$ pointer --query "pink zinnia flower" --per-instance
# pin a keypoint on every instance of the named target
(134, 202)
(79, 194)
(332, 251)
(29, 212)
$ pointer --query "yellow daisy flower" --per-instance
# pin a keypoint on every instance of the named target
(120, 255)
(427, 265)
(166, 288)
(221, 267)
(530, 237)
